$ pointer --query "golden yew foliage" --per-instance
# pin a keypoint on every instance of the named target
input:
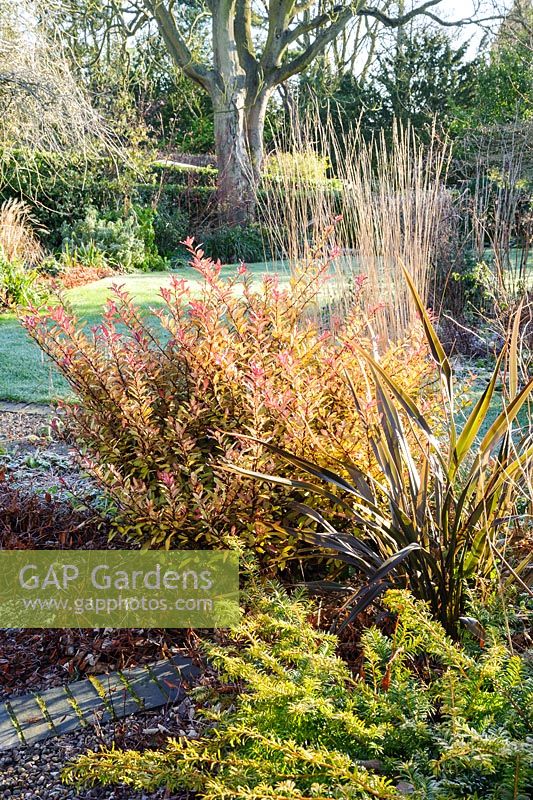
(159, 399)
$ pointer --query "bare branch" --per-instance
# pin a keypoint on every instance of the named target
(176, 45)
(303, 60)
(423, 10)
(307, 26)
(243, 34)
(46, 115)
(402, 19)
(280, 15)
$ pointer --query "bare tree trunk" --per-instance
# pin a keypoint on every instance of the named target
(236, 179)
(237, 175)
(255, 128)
(239, 130)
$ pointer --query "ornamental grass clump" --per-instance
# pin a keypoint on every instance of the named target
(20, 252)
(18, 233)
(158, 396)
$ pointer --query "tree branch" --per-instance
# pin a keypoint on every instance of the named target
(293, 35)
(402, 19)
(243, 35)
(303, 60)
(423, 10)
(177, 47)
(280, 15)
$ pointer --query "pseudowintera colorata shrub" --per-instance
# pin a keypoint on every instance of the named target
(159, 399)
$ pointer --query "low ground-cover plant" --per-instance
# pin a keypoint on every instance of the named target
(423, 716)
(444, 502)
(71, 268)
(154, 407)
(30, 521)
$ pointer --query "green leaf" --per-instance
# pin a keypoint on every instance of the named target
(405, 400)
(501, 424)
(437, 350)
(474, 421)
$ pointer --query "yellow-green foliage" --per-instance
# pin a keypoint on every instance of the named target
(422, 710)
(158, 408)
(299, 167)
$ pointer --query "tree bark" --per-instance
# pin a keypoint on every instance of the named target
(239, 130)
(236, 182)
(236, 174)
(255, 128)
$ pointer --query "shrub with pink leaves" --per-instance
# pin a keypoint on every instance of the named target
(159, 399)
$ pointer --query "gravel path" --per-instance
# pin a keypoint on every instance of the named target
(34, 773)
(16, 426)
(33, 458)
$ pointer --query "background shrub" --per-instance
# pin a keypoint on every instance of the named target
(298, 166)
(171, 225)
(183, 197)
(238, 243)
(60, 190)
(152, 260)
(118, 240)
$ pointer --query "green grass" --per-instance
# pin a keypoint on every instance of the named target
(27, 376)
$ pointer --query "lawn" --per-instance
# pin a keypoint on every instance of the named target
(27, 376)
(25, 373)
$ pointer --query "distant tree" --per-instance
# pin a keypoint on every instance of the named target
(252, 50)
(426, 78)
(496, 128)
(504, 87)
(517, 26)
(422, 80)
(177, 113)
